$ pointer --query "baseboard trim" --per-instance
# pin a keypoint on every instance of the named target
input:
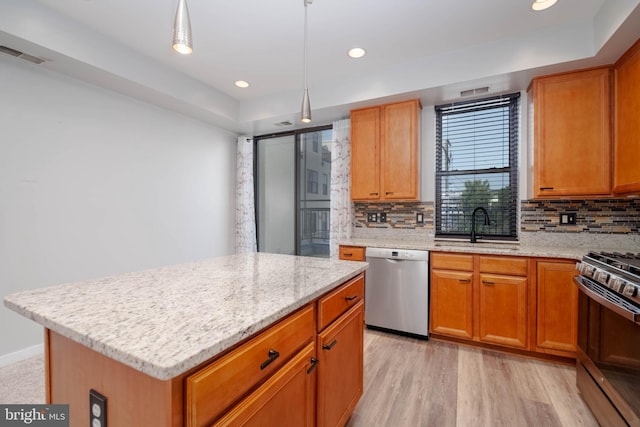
(20, 355)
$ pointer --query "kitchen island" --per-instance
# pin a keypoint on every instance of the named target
(144, 339)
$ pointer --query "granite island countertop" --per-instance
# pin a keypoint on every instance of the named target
(168, 320)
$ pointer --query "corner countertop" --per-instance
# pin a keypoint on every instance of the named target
(506, 248)
(168, 320)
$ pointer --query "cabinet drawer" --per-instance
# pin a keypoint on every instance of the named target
(285, 399)
(504, 265)
(352, 253)
(214, 388)
(331, 306)
(449, 261)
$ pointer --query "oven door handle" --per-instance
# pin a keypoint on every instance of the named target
(627, 314)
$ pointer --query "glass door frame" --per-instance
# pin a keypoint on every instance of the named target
(296, 133)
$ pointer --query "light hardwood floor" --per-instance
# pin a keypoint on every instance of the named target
(412, 383)
(409, 382)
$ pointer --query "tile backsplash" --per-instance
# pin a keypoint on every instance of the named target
(400, 215)
(610, 216)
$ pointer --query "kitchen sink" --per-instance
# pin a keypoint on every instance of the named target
(497, 246)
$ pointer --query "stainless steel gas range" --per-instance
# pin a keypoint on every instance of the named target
(608, 358)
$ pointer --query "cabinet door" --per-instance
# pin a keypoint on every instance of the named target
(503, 310)
(627, 125)
(557, 324)
(365, 154)
(572, 141)
(451, 303)
(400, 150)
(340, 368)
(286, 399)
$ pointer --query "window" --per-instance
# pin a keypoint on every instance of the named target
(477, 166)
(312, 181)
(325, 184)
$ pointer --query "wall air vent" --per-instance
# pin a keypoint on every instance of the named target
(476, 91)
(285, 123)
(18, 54)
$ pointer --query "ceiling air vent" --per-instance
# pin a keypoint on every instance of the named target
(285, 123)
(476, 91)
(18, 54)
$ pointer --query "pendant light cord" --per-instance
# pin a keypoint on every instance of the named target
(306, 43)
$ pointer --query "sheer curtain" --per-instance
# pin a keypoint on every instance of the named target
(245, 204)
(341, 207)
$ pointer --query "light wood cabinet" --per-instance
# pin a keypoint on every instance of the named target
(385, 152)
(480, 298)
(626, 178)
(340, 368)
(351, 253)
(213, 389)
(286, 399)
(572, 134)
(503, 310)
(557, 319)
(452, 303)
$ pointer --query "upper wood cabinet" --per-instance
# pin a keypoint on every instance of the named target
(572, 134)
(385, 151)
(626, 177)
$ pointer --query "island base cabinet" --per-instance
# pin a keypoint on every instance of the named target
(133, 398)
(340, 368)
(286, 399)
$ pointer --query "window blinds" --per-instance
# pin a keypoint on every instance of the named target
(477, 166)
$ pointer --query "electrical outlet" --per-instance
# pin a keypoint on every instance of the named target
(419, 218)
(568, 218)
(97, 409)
(383, 217)
(372, 217)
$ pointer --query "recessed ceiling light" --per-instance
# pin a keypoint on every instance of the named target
(539, 5)
(241, 83)
(357, 52)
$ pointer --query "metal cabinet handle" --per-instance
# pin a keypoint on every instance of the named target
(546, 188)
(351, 298)
(486, 282)
(373, 194)
(465, 280)
(330, 346)
(273, 355)
(389, 192)
(314, 363)
(347, 254)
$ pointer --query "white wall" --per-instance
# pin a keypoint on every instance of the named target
(93, 183)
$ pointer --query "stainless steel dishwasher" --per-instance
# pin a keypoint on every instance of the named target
(397, 291)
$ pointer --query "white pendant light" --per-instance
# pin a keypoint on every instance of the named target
(539, 5)
(182, 30)
(305, 110)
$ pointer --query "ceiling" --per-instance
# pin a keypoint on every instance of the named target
(415, 48)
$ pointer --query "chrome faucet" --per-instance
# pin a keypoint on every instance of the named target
(487, 221)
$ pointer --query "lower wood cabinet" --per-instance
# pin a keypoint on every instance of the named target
(286, 399)
(480, 298)
(340, 368)
(557, 323)
(528, 304)
(305, 370)
(452, 303)
(503, 310)
(351, 253)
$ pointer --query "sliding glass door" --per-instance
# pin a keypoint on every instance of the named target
(293, 190)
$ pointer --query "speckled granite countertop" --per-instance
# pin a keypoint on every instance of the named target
(513, 249)
(166, 321)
